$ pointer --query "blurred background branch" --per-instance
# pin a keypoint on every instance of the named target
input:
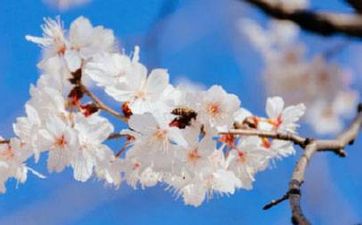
(323, 23)
(356, 5)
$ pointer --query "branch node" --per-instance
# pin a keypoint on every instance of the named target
(294, 186)
(307, 141)
(322, 23)
(359, 108)
(356, 5)
(341, 153)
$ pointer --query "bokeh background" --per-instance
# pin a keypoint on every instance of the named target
(196, 40)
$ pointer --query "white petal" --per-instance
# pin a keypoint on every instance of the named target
(73, 60)
(225, 181)
(175, 135)
(80, 31)
(157, 83)
(292, 114)
(83, 169)
(193, 194)
(57, 160)
(274, 107)
(145, 123)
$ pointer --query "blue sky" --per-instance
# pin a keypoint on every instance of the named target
(196, 39)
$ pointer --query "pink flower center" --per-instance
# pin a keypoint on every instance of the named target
(266, 142)
(276, 122)
(228, 139)
(193, 156)
(213, 109)
(61, 142)
(136, 166)
(140, 94)
(241, 156)
(160, 134)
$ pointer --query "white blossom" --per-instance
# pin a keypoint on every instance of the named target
(92, 132)
(283, 119)
(156, 132)
(82, 42)
(12, 162)
(141, 91)
(248, 158)
(218, 107)
(60, 139)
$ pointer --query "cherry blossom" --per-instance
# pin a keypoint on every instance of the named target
(247, 158)
(156, 132)
(283, 119)
(60, 139)
(92, 132)
(53, 40)
(217, 107)
(12, 163)
(141, 92)
(81, 42)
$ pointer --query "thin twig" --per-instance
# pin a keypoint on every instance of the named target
(101, 105)
(276, 201)
(115, 136)
(322, 23)
(355, 4)
(296, 139)
(331, 145)
(2, 142)
(120, 152)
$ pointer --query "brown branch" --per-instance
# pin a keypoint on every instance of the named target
(123, 150)
(296, 183)
(276, 201)
(2, 142)
(101, 105)
(355, 4)
(322, 23)
(116, 136)
(296, 139)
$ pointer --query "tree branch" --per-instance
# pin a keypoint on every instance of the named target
(115, 136)
(101, 105)
(120, 152)
(296, 139)
(276, 201)
(4, 142)
(322, 23)
(355, 4)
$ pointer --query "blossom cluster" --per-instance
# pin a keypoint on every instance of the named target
(324, 87)
(175, 136)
